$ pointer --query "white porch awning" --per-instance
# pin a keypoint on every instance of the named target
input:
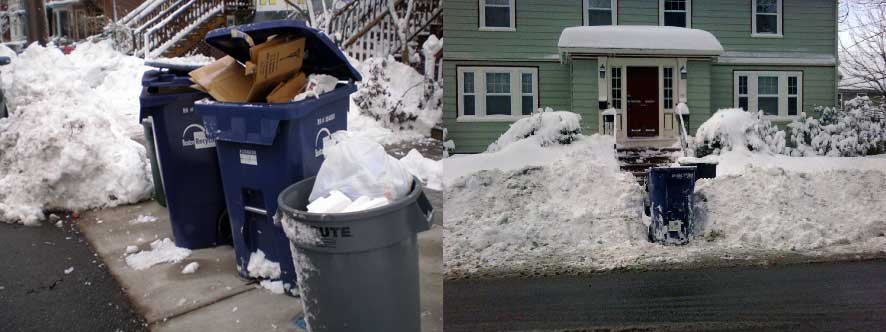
(636, 40)
(60, 3)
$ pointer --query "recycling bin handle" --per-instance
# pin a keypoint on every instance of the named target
(426, 211)
(255, 210)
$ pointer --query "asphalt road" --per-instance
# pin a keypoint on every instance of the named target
(849, 296)
(37, 295)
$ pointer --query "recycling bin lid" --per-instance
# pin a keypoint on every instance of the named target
(322, 56)
(173, 66)
(164, 79)
(5, 60)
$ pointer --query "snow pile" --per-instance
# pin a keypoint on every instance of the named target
(66, 143)
(544, 128)
(778, 209)
(162, 251)
(261, 267)
(400, 101)
(520, 219)
(428, 170)
(735, 129)
(857, 130)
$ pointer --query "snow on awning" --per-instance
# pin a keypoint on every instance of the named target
(59, 3)
(638, 40)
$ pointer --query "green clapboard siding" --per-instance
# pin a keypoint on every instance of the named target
(637, 12)
(584, 93)
(819, 85)
(698, 93)
(554, 89)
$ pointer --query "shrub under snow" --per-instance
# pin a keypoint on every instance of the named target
(735, 129)
(546, 127)
(857, 130)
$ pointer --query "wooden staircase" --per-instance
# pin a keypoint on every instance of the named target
(638, 161)
(171, 28)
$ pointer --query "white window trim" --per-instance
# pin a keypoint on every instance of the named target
(782, 92)
(480, 93)
(512, 27)
(778, 24)
(585, 6)
(661, 12)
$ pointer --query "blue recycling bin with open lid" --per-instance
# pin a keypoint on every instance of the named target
(187, 160)
(670, 195)
(264, 148)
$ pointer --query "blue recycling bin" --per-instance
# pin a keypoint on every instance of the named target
(670, 195)
(187, 160)
(264, 148)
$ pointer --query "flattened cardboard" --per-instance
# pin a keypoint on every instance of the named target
(224, 80)
(284, 92)
(275, 61)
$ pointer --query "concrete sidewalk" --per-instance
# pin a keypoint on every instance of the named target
(215, 298)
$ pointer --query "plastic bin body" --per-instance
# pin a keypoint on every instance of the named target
(357, 271)
(703, 170)
(670, 194)
(159, 196)
(188, 161)
(263, 148)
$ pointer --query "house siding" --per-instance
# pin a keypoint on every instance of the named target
(584, 93)
(819, 86)
(698, 93)
(637, 12)
(554, 90)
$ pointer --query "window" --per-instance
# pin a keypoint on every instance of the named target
(496, 93)
(675, 13)
(778, 94)
(616, 88)
(600, 12)
(668, 76)
(497, 15)
(766, 18)
(743, 92)
(861, 94)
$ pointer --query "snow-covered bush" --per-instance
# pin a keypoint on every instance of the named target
(545, 126)
(859, 129)
(735, 129)
(398, 96)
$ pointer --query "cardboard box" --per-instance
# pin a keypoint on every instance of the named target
(224, 80)
(275, 61)
(285, 91)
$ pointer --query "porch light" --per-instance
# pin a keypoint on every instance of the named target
(602, 71)
(683, 72)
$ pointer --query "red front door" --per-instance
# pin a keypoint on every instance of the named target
(642, 102)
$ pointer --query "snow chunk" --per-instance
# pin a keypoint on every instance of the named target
(261, 267)
(143, 219)
(544, 128)
(191, 268)
(162, 251)
(131, 249)
(69, 270)
(275, 287)
(635, 39)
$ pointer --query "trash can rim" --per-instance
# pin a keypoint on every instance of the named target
(265, 106)
(305, 216)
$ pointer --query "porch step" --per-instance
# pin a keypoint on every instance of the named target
(639, 160)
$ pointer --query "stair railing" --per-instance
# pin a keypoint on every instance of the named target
(684, 136)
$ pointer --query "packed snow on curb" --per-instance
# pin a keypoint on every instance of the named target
(66, 143)
(568, 209)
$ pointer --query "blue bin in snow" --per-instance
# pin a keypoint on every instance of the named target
(670, 195)
(187, 160)
(264, 148)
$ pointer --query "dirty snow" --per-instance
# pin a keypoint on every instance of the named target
(275, 287)
(569, 209)
(131, 249)
(261, 267)
(162, 251)
(66, 144)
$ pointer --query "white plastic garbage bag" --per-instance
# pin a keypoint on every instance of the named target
(359, 167)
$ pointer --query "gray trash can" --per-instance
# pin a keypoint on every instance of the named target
(357, 271)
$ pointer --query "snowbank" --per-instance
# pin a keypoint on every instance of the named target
(66, 143)
(735, 129)
(568, 209)
(544, 128)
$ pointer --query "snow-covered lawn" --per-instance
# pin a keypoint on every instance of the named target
(528, 209)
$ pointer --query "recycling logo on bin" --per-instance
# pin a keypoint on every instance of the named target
(322, 134)
(195, 135)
